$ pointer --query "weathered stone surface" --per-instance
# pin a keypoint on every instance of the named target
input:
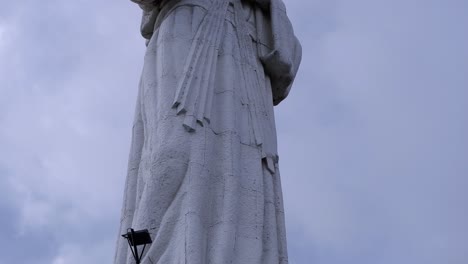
(203, 172)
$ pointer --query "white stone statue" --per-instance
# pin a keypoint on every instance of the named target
(203, 172)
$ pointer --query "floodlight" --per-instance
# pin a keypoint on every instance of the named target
(137, 238)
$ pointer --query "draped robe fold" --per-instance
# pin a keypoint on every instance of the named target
(203, 172)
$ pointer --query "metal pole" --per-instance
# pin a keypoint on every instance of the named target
(137, 257)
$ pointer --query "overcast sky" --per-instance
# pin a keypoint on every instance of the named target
(373, 137)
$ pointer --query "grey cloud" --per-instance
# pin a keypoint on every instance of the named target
(384, 115)
(372, 139)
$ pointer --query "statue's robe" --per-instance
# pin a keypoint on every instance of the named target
(203, 172)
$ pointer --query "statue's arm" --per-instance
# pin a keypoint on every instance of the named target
(278, 48)
(150, 13)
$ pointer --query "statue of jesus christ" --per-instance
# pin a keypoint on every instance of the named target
(203, 172)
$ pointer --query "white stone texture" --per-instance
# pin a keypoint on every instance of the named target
(203, 172)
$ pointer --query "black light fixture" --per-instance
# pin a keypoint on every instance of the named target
(137, 238)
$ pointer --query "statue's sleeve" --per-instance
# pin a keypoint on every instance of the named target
(263, 4)
(147, 22)
(146, 3)
(278, 47)
(150, 12)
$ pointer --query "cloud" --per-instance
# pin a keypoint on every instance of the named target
(379, 142)
(372, 138)
(62, 111)
(95, 253)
